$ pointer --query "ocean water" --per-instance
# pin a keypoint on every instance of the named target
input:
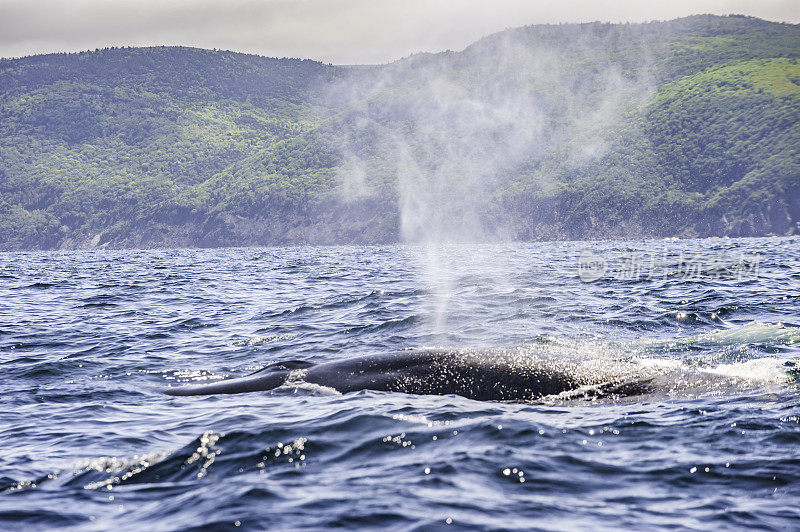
(89, 339)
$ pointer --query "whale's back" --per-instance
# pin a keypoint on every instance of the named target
(482, 375)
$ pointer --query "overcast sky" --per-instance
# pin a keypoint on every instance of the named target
(336, 31)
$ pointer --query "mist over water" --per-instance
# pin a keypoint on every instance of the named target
(460, 127)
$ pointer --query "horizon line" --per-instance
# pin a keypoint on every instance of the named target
(421, 52)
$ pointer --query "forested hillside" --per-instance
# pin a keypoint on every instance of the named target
(681, 128)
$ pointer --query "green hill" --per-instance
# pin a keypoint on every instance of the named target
(680, 128)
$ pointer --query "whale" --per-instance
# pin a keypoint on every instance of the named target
(496, 375)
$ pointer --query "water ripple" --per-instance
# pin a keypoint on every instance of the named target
(88, 339)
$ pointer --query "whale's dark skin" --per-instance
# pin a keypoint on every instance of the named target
(481, 375)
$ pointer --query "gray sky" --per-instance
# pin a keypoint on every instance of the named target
(337, 31)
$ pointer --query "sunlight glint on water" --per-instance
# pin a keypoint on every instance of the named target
(88, 339)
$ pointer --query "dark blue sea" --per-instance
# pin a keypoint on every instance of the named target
(89, 339)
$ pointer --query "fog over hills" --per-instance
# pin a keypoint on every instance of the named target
(572, 131)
